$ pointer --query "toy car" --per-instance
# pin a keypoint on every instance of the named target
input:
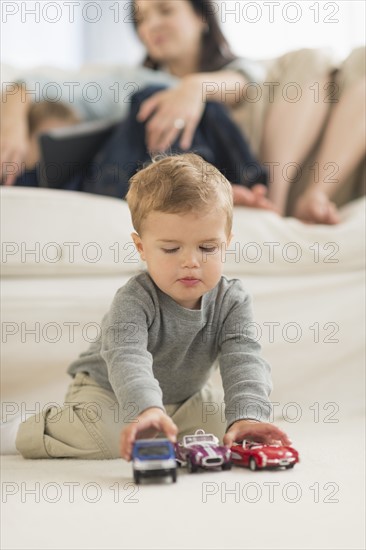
(202, 450)
(258, 456)
(153, 457)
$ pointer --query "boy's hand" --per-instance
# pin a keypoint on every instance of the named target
(261, 432)
(148, 424)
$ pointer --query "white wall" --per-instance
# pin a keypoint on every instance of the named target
(67, 33)
(270, 28)
(113, 39)
(41, 33)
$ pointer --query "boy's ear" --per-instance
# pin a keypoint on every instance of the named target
(139, 246)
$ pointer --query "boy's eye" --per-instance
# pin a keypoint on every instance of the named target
(208, 248)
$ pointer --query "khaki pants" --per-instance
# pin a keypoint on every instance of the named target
(89, 424)
(304, 68)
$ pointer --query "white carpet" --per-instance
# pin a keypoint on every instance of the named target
(317, 505)
(94, 504)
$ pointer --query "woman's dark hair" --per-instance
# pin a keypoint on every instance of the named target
(215, 49)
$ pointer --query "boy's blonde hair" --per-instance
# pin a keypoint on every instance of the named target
(178, 184)
(44, 110)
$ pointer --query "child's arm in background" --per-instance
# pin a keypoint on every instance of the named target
(14, 134)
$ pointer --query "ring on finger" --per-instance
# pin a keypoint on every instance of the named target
(179, 123)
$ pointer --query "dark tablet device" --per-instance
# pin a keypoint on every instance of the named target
(67, 150)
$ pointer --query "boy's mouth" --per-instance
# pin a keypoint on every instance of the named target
(189, 281)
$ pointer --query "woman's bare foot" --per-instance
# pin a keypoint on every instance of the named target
(253, 198)
(315, 207)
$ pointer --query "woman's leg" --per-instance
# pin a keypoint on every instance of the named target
(290, 132)
(343, 147)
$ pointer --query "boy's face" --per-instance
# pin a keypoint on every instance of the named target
(183, 253)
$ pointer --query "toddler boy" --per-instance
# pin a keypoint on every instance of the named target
(148, 372)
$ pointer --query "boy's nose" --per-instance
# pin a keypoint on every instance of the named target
(191, 260)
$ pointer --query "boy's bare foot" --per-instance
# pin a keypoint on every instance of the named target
(315, 207)
(253, 198)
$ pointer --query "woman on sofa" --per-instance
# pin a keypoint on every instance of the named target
(183, 39)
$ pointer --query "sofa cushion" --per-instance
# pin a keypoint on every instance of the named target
(54, 232)
(48, 232)
(266, 244)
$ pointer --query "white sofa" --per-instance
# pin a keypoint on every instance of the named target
(65, 254)
(316, 354)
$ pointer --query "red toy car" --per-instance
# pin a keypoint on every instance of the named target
(258, 456)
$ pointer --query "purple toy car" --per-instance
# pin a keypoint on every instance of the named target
(202, 450)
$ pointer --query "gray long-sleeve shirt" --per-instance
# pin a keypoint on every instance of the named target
(151, 351)
(105, 92)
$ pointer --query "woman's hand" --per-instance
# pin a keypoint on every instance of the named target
(148, 424)
(171, 112)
